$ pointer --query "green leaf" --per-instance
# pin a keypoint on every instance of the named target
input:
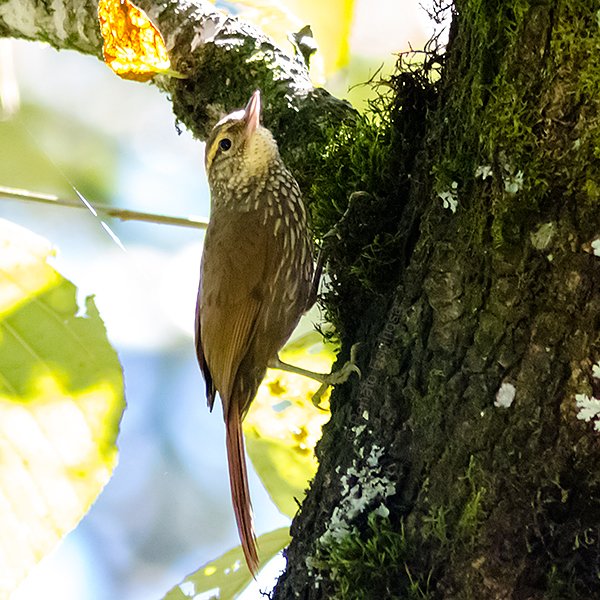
(285, 473)
(228, 575)
(61, 400)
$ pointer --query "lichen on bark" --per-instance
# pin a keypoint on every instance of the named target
(493, 501)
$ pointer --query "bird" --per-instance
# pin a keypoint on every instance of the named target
(256, 281)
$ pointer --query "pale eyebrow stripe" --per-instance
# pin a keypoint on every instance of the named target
(227, 125)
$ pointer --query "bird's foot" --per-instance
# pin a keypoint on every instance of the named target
(339, 376)
(326, 379)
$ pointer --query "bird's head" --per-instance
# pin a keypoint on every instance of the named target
(239, 149)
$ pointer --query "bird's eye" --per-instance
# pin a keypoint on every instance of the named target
(225, 144)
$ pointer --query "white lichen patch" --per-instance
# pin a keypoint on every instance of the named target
(358, 429)
(59, 16)
(364, 487)
(483, 171)
(505, 395)
(542, 237)
(513, 183)
(450, 197)
(596, 247)
(382, 511)
(511, 177)
(588, 409)
(206, 34)
(596, 370)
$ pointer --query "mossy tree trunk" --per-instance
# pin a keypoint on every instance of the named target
(457, 466)
(465, 265)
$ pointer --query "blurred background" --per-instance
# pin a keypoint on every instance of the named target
(70, 126)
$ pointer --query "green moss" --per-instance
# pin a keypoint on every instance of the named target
(376, 564)
(501, 116)
(558, 587)
(452, 522)
(472, 512)
(359, 182)
(520, 80)
(435, 526)
(366, 564)
(487, 111)
(354, 163)
(356, 158)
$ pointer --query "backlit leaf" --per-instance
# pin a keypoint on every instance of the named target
(61, 400)
(283, 426)
(228, 575)
(133, 48)
(331, 24)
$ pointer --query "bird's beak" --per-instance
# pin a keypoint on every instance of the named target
(252, 114)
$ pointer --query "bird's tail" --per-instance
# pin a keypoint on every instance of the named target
(240, 494)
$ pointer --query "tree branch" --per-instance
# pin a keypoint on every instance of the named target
(122, 214)
(66, 24)
(222, 58)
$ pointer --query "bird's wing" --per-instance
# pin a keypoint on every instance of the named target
(210, 386)
(233, 276)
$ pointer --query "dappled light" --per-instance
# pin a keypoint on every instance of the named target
(331, 24)
(61, 399)
(283, 427)
(24, 272)
(228, 575)
(58, 452)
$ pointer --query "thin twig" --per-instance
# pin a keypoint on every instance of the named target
(111, 211)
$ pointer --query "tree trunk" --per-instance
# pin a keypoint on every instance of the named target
(457, 467)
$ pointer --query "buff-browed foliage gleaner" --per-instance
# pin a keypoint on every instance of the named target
(256, 281)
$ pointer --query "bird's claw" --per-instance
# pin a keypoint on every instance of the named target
(353, 354)
(339, 376)
(342, 375)
(318, 395)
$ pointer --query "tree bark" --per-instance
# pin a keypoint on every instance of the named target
(457, 467)
(222, 61)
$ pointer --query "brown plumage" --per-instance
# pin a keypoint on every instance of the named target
(255, 280)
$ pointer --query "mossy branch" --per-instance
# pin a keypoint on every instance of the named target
(222, 59)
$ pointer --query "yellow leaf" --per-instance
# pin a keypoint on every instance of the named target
(283, 426)
(61, 399)
(331, 23)
(133, 48)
